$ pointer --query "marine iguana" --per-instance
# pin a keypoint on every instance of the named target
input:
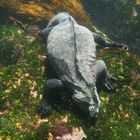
(71, 52)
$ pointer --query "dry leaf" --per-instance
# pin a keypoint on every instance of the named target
(30, 38)
(77, 134)
(42, 121)
(0, 137)
(3, 112)
(27, 75)
(138, 2)
(133, 94)
(50, 136)
(42, 58)
(35, 125)
(19, 82)
(65, 119)
(11, 38)
(139, 63)
(19, 125)
(33, 94)
(126, 116)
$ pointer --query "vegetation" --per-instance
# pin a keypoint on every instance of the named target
(42, 10)
(21, 85)
(119, 19)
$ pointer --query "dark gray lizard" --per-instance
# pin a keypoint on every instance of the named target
(71, 52)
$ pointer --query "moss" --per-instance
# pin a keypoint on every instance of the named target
(44, 10)
(21, 85)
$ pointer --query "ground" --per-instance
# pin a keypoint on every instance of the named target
(21, 85)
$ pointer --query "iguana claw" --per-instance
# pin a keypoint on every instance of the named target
(45, 108)
(110, 84)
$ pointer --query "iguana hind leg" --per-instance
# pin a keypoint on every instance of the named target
(110, 83)
(101, 74)
(103, 79)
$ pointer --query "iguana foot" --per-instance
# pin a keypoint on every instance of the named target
(110, 84)
(93, 111)
(45, 108)
(123, 46)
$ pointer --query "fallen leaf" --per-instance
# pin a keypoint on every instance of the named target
(35, 125)
(65, 137)
(7, 91)
(65, 119)
(138, 2)
(134, 12)
(0, 137)
(27, 75)
(30, 38)
(14, 86)
(19, 82)
(139, 63)
(19, 125)
(126, 116)
(78, 134)
(50, 136)
(33, 94)
(11, 38)
(133, 94)
(42, 57)
(42, 121)
(19, 31)
(8, 138)
(3, 112)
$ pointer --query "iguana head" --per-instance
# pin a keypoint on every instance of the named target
(59, 18)
(87, 100)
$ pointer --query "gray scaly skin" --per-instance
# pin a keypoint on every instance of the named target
(72, 54)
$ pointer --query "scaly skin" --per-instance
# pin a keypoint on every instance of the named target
(72, 54)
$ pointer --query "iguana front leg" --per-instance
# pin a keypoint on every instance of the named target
(102, 41)
(50, 85)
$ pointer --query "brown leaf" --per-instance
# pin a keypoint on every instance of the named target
(138, 2)
(11, 38)
(42, 57)
(31, 39)
(65, 119)
(3, 112)
(27, 75)
(0, 137)
(133, 94)
(42, 121)
(126, 116)
(77, 134)
(33, 94)
(35, 125)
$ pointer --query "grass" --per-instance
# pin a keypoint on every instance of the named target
(21, 84)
